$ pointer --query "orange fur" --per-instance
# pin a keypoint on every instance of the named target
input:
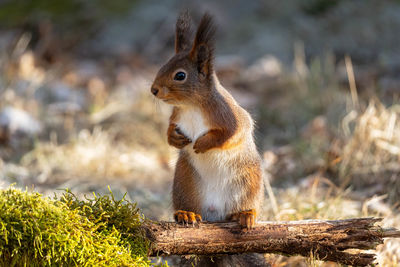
(218, 173)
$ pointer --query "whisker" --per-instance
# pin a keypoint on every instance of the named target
(157, 107)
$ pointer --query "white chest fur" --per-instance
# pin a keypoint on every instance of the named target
(218, 192)
(191, 123)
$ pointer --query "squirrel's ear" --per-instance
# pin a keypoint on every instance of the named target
(182, 34)
(202, 52)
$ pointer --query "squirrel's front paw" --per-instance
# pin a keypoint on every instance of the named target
(177, 139)
(246, 218)
(186, 217)
(201, 145)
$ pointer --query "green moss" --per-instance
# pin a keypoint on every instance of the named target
(100, 231)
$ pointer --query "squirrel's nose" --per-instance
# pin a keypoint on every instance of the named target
(154, 90)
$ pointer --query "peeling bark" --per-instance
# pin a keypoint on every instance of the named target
(327, 240)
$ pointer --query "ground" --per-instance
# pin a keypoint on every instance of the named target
(328, 124)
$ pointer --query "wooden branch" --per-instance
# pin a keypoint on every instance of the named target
(327, 240)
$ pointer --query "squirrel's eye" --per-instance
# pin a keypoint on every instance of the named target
(180, 76)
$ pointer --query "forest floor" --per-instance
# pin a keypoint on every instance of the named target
(327, 154)
(328, 130)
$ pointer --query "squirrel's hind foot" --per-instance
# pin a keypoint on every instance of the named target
(187, 217)
(246, 218)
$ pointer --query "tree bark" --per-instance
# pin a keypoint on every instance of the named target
(326, 240)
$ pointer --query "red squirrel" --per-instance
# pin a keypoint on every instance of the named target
(218, 174)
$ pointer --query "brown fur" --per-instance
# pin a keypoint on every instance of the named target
(229, 130)
(224, 117)
(183, 32)
(185, 196)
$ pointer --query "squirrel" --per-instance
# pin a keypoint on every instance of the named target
(218, 173)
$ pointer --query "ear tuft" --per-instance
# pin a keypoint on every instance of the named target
(203, 47)
(183, 32)
(206, 31)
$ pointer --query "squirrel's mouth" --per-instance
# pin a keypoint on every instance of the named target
(168, 100)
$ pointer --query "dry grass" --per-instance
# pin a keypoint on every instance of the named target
(371, 156)
(317, 198)
(123, 142)
(119, 136)
(94, 155)
(119, 139)
(360, 154)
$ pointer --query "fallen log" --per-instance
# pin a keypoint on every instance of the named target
(327, 240)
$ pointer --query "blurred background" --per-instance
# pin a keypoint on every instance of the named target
(320, 77)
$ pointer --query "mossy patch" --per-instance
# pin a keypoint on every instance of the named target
(66, 231)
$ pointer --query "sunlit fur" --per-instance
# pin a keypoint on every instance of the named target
(218, 171)
(221, 183)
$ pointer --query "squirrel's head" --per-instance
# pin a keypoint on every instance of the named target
(187, 77)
